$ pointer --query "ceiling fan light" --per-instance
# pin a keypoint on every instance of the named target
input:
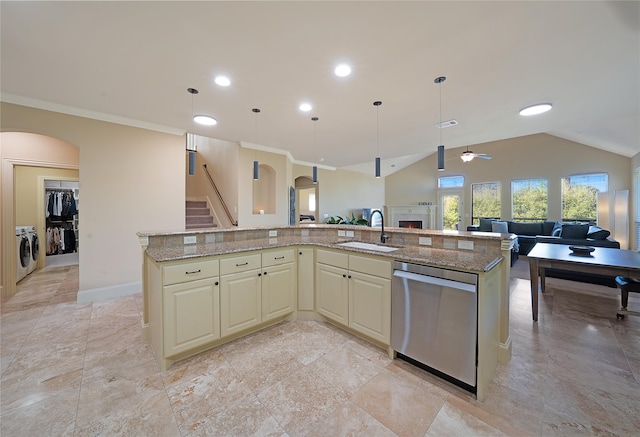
(466, 157)
(205, 120)
(535, 109)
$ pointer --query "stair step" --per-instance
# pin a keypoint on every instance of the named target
(201, 219)
(197, 211)
(196, 204)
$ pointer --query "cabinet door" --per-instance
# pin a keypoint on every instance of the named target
(240, 301)
(191, 315)
(278, 288)
(370, 306)
(305, 279)
(332, 293)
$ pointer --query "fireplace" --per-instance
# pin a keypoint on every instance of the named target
(413, 224)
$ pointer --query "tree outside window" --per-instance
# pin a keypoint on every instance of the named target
(485, 201)
(529, 200)
(580, 196)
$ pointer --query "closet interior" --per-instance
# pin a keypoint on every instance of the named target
(61, 212)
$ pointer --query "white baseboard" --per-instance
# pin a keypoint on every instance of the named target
(104, 293)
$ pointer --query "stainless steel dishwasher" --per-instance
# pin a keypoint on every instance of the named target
(434, 320)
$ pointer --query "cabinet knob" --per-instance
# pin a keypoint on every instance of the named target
(300, 253)
(217, 283)
(265, 273)
(349, 276)
(344, 276)
(259, 274)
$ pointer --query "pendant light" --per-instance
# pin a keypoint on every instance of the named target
(377, 104)
(255, 161)
(439, 81)
(315, 167)
(191, 148)
(206, 120)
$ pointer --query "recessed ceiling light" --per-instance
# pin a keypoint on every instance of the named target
(342, 70)
(306, 107)
(535, 109)
(222, 81)
(205, 120)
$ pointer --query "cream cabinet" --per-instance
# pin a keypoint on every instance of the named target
(278, 283)
(306, 281)
(184, 310)
(240, 293)
(355, 291)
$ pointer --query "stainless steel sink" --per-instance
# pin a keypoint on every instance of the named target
(368, 246)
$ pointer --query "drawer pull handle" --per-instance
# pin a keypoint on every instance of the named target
(191, 273)
(243, 264)
(279, 257)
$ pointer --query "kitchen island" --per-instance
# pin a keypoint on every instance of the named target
(205, 288)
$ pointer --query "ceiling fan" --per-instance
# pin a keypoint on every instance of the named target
(468, 155)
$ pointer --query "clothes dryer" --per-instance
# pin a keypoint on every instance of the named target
(35, 248)
(23, 246)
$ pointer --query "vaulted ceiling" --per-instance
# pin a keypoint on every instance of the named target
(132, 62)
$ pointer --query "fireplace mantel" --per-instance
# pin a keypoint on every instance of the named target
(424, 213)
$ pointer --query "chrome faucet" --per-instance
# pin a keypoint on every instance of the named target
(383, 238)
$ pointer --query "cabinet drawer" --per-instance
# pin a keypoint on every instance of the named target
(189, 271)
(332, 258)
(240, 264)
(277, 257)
(370, 266)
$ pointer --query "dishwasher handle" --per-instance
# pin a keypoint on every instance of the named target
(435, 281)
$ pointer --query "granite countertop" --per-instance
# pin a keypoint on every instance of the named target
(454, 259)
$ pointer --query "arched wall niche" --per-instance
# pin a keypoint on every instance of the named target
(264, 191)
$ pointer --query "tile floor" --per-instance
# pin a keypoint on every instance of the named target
(83, 370)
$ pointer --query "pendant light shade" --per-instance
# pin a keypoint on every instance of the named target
(440, 157)
(192, 162)
(203, 119)
(315, 167)
(255, 161)
(377, 104)
(439, 81)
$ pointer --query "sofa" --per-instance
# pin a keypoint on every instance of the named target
(579, 234)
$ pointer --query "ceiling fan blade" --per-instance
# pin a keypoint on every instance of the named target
(482, 156)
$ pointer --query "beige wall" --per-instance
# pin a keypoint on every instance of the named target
(282, 167)
(633, 236)
(131, 180)
(534, 156)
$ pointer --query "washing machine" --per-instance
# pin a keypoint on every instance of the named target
(35, 248)
(24, 252)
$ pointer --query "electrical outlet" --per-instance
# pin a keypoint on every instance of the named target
(425, 241)
(190, 239)
(273, 233)
(340, 233)
(350, 234)
(465, 244)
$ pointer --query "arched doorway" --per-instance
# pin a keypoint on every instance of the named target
(42, 154)
(307, 200)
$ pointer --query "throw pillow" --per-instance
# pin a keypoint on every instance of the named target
(597, 233)
(575, 231)
(557, 229)
(500, 227)
(485, 224)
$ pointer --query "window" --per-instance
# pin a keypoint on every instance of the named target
(485, 201)
(580, 196)
(529, 200)
(450, 181)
